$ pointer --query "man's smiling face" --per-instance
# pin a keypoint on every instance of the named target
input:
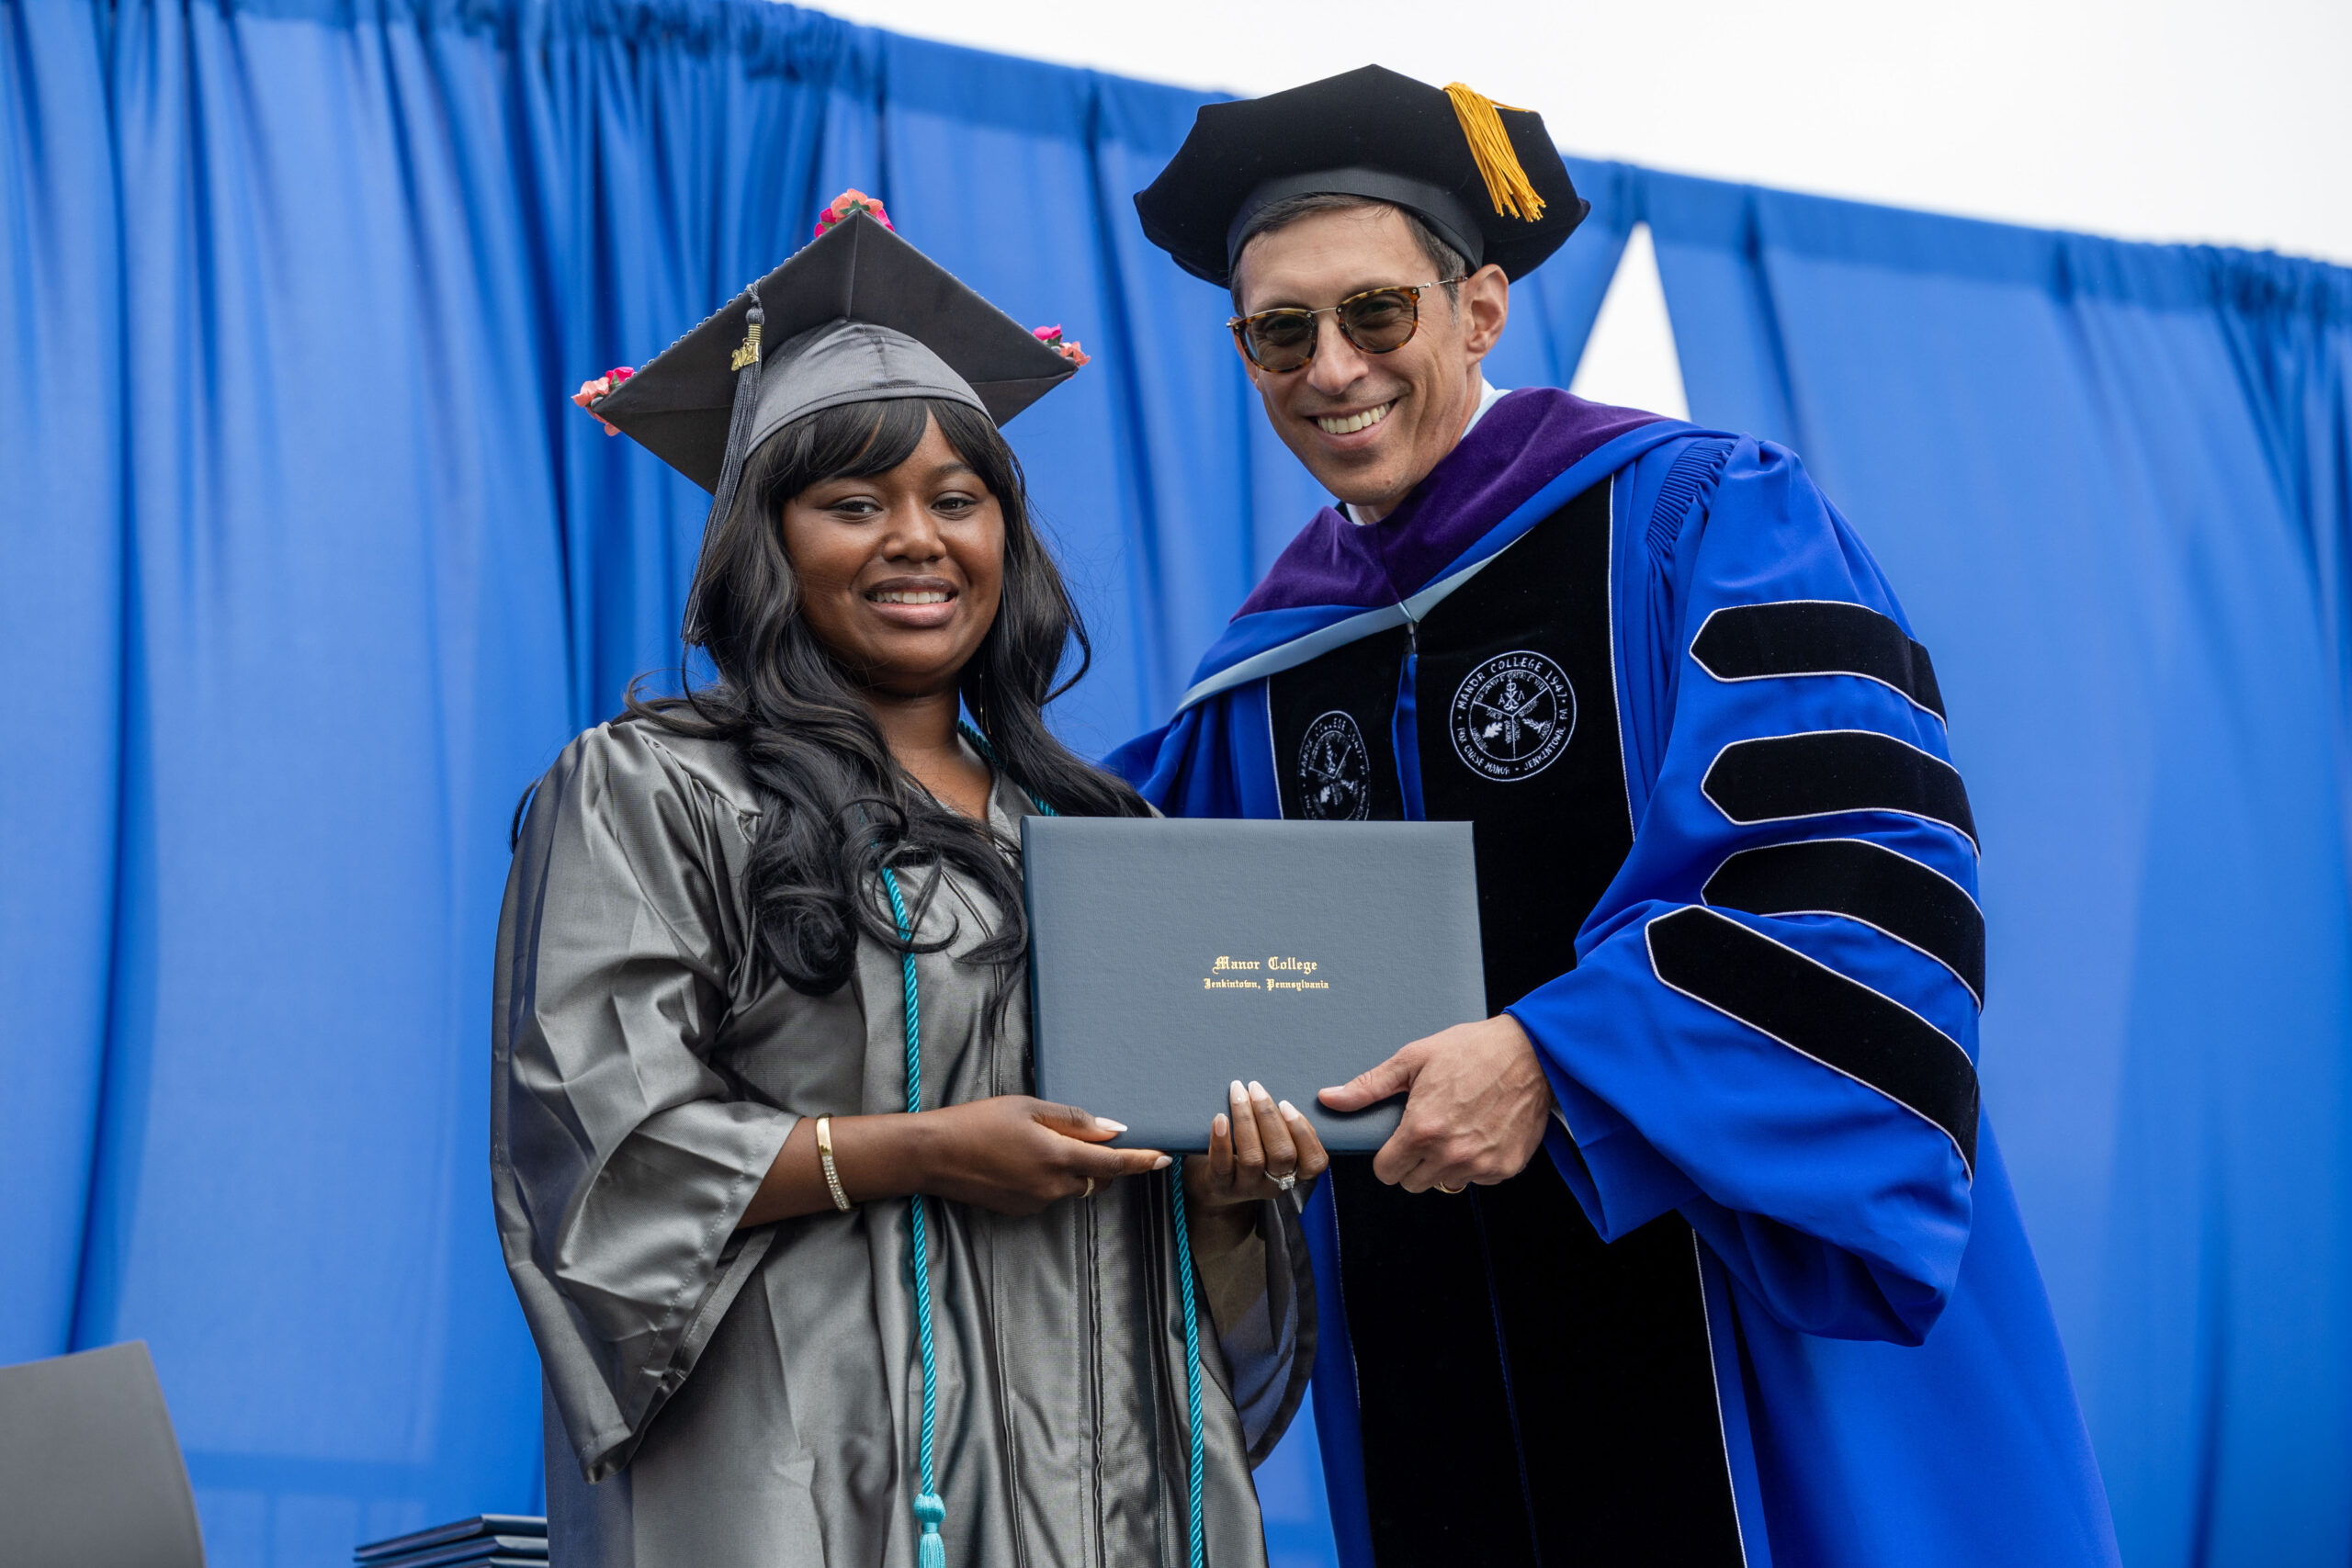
(1369, 426)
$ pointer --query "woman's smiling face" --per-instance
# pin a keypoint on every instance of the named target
(900, 572)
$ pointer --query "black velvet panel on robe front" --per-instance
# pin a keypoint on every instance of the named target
(1527, 1395)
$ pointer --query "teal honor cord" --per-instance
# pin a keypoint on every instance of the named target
(931, 1510)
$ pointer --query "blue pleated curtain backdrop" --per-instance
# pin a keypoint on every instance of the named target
(306, 567)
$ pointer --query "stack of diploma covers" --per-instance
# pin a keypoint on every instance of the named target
(1169, 958)
(488, 1541)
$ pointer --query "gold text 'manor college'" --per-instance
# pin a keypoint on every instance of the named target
(1275, 974)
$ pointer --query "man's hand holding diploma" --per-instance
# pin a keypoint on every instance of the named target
(1475, 1103)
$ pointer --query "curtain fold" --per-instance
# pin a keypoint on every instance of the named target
(63, 613)
(308, 567)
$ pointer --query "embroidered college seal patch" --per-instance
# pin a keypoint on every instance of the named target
(1512, 716)
(1334, 770)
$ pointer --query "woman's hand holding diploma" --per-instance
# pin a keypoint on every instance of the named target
(1012, 1154)
(1251, 1148)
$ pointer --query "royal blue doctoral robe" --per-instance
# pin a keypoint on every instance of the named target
(1767, 1024)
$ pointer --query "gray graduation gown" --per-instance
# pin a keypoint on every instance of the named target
(717, 1397)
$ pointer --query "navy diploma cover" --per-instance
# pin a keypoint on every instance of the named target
(1167, 958)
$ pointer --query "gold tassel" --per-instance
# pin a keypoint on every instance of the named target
(1506, 183)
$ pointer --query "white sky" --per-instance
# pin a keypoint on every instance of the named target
(1629, 360)
(2161, 120)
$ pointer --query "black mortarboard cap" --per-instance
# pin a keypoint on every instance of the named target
(857, 315)
(1485, 178)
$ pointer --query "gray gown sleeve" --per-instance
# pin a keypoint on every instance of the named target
(621, 1160)
(1260, 1297)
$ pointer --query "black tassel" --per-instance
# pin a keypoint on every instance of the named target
(738, 431)
(747, 402)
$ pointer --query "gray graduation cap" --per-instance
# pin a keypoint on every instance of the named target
(856, 316)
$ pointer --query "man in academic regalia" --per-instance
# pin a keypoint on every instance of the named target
(1767, 1296)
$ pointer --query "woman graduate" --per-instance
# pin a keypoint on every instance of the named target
(813, 1279)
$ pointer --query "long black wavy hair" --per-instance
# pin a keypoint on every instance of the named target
(840, 809)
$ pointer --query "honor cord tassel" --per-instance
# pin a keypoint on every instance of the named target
(931, 1551)
(1197, 1442)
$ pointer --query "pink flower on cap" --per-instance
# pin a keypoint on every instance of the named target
(1068, 349)
(602, 387)
(850, 201)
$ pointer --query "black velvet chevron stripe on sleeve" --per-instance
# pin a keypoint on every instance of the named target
(1815, 637)
(1865, 881)
(1828, 770)
(1812, 1008)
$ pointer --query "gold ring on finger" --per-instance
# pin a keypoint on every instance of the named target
(1089, 1189)
(1452, 1191)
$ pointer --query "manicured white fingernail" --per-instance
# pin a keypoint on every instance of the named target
(1236, 1091)
(1110, 1126)
(1289, 1109)
(1217, 1125)
(1257, 1089)
(1163, 1163)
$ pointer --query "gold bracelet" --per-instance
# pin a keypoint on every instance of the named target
(825, 1158)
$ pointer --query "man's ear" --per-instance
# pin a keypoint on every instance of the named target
(1486, 307)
